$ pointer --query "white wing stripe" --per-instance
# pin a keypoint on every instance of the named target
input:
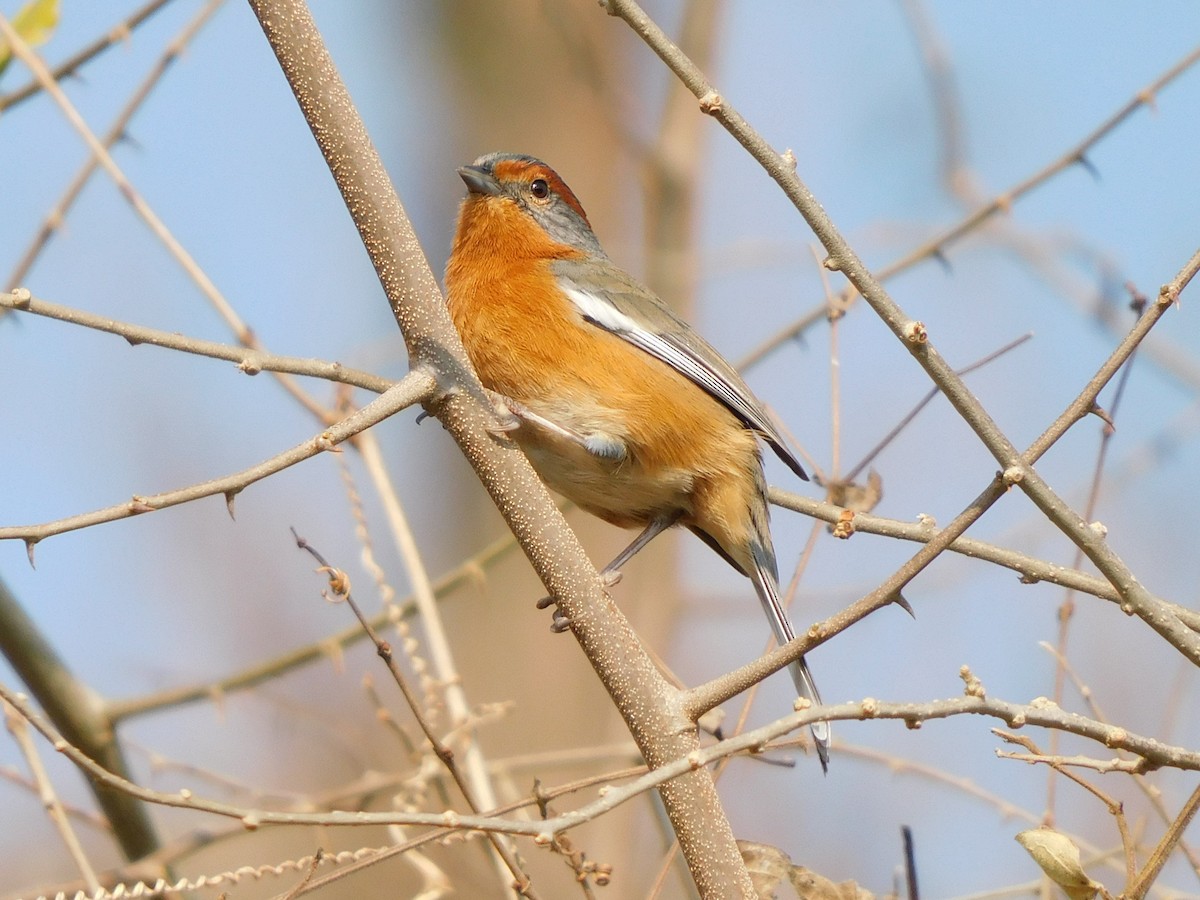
(608, 317)
(600, 310)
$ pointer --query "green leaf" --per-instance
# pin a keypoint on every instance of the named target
(35, 23)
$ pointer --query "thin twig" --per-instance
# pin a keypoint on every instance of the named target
(416, 387)
(19, 729)
(1058, 761)
(1151, 791)
(248, 360)
(340, 586)
(1017, 469)
(1061, 765)
(117, 34)
(143, 210)
(57, 216)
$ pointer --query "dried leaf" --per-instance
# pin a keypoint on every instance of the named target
(811, 886)
(768, 866)
(854, 496)
(1059, 859)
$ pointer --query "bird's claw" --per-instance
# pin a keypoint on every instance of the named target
(506, 419)
(559, 623)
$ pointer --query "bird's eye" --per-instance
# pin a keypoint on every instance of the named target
(539, 188)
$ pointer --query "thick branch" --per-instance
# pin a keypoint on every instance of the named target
(645, 701)
(78, 712)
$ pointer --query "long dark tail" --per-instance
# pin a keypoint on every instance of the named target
(766, 584)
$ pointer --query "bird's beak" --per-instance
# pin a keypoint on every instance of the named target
(479, 180)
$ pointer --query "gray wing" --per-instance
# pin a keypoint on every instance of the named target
(609, 298)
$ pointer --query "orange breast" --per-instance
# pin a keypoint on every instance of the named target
(685, 451)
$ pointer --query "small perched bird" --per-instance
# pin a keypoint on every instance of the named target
(620, 406)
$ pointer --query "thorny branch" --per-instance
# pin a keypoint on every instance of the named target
(1003, 202)
(1041, 713)
(1016, 469)
(339, 584)
(414, 388)
(249, 360)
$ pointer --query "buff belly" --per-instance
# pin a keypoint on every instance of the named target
(615, 484)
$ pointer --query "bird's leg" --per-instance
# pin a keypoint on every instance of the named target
(507, 418)
(611, 573)
(559, 621)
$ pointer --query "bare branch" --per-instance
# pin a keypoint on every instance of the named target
(1060, 765)
(117, 34)
(79, 714)
(1003, 202)
(1103, 766)
(627, 672)
(416, 387)
(340, 586)
(250, 361)
(57, 216)
(1017, 470)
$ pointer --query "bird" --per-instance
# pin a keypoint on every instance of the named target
(618, 403)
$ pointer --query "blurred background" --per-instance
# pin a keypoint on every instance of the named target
(902, 118)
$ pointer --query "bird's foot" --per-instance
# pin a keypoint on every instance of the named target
(559, 621)
(506, 418)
